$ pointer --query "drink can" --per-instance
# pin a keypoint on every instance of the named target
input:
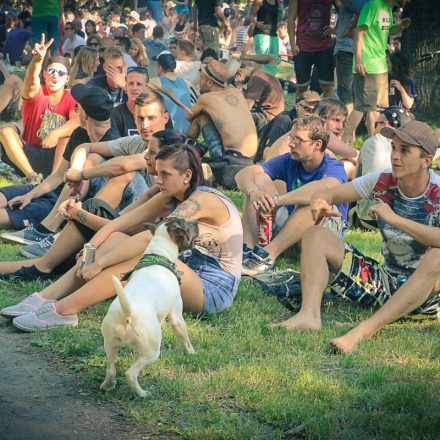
(392, 91)
(88, 256)
(265, 222)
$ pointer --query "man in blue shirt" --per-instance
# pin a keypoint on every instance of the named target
(304, 170)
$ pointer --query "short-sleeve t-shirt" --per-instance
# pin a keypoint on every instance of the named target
(410, 86)
(40, 117)
(378, 17)
(80, 136)
(45, 8)
(127, 145)
(118, 95)
(265, 89)
(15, 42)
(123, 121)
(293, 173)
(206, 11)
(402, 253)
(313, 19)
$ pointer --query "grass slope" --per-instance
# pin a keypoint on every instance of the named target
(249, 382)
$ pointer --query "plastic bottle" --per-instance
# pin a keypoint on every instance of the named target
(286, 88)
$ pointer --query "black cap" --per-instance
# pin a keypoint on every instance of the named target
(95, 101)
(396, 116)
(166, 60)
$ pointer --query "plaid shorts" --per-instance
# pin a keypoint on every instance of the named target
(364, 280)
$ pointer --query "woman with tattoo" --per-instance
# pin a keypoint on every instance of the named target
(210, 270)
(84, 219)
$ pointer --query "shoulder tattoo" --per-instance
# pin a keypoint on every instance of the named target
(187, 209)
(231, 100)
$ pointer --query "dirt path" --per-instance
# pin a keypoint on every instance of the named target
(41, 400)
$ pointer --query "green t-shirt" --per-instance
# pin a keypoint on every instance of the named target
(378, 16)
(45, 8)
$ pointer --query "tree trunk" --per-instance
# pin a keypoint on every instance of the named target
(423, 36)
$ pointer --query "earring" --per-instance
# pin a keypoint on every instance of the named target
(185, 181)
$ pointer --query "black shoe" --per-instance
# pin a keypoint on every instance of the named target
(30, 273)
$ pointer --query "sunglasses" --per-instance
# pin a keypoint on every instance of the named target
(93, 44)
(68, 29)
(52, 71)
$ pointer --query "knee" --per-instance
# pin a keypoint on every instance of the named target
(315, 237)
(7, 132)
(13, 81)
(431, 261)
(93, 159)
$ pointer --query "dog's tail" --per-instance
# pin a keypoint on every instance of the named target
(125, 305)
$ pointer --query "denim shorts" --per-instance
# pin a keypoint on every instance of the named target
(136, 188)
(219, 287)
(155, 8)
(324, 62)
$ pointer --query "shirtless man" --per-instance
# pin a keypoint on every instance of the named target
(222, 115)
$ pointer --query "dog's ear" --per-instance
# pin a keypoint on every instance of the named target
(149, 227)
(181, 232)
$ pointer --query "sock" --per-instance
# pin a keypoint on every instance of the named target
(40, 228)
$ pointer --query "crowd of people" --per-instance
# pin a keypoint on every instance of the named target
(129, 113)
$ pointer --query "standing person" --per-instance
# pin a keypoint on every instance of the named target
(370, 68)
(311, 43)
(46, 20)
(206, 14)
(407, 283)
(49, 117)
(264, 16)
(155, 9)
(348, 14)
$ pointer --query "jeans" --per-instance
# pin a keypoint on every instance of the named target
(213, 140)
(344, 74)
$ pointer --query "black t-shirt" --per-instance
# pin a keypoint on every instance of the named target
(118, 95)
(206, 11)
(123, 121)
(80, 136)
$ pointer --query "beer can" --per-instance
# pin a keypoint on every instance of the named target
(392, 91)
(88, 256)
(264, 228)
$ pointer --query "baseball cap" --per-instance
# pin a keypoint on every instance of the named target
(396, 116)
(95, 101)
(134, 15)
(166, 60)
(415, 133)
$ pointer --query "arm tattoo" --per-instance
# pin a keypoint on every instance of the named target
(220, 124)
(187, 209)
(82, 216)
(231, 100)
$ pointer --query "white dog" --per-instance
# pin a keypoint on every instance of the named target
(151, 295)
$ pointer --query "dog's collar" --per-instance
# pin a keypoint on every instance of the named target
(153, 260)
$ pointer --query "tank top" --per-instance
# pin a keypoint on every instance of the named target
(223, 243)
(181, 92)
(268, 14)
(242, 37)
(313, 18)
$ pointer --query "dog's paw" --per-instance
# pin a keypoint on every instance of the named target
(190, 350)
(141, 393)
(108, 385)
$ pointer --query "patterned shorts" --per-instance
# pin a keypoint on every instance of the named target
(364, 280)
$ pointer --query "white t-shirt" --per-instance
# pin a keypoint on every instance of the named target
(68, 45)
(189, 70)
(129, 61)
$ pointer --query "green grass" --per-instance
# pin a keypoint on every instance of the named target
(249, 382)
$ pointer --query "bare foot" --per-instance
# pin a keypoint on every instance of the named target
(345, 343)
(299, 322)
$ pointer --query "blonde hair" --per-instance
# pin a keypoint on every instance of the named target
(141, 58)
(84, 62)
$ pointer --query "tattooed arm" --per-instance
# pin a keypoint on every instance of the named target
(203, 206)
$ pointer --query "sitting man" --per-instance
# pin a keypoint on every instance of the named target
(35, 207)
(408, 215)
(113, 80)
(222, 115)
(48, 117)
(122, 116)
(304, 170)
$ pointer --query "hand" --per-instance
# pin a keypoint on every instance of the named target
(320, 208)
(69, 209)
(395, 83)
(50, 141)
(360, 68)
(329, 31)
(90, 271)
(73, 175)
(24, 200)
(405, 23)
(263, 27)
(382, 211)
(295, 50)
(262, 201)
(116, 76)
(40, 48)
